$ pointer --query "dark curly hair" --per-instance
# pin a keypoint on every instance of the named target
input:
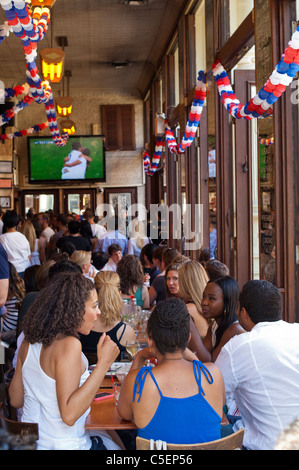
(130, 273)
(58, 309)
(169, 325)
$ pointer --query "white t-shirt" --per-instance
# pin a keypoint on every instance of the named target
(97, 230)
(47, 233)
(71, 172)
(17, 248)
(110, 266)
(261, 373)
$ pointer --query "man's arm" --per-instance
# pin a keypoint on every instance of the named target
(3, 291)
(77, 162)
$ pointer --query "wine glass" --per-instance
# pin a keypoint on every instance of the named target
(132, 347)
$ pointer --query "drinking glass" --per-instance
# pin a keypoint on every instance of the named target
(132, 348)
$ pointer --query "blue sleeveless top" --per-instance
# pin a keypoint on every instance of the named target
(187, 420)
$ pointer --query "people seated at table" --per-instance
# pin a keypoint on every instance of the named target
(83, 259)
(260, 367)
(107, 284)
(192, 279)
(52, 382)
(16, 293)
(131, 277)
(157, 291)
(15, 243)
(219, 306)
(115, 255)
(177, 401)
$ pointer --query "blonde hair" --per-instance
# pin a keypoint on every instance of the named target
(28, 230)
(110, 300)
(81, 257)
(192, 282)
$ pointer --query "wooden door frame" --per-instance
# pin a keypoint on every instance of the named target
(68, 191)
(37, 192)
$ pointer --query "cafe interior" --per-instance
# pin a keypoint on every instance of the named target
(170, 93)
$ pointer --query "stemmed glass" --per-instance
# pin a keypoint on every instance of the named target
(132, 347)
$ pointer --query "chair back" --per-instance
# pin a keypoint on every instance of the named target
(232, 442)
(25, 431)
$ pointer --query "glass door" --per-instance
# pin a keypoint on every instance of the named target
(40, 201)
(78, 200)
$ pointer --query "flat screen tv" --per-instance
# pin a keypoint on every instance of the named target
(82, 159)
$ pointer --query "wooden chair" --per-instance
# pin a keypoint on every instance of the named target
(231, 442)
(24, 431)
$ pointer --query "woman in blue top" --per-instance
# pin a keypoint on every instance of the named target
(179, 401)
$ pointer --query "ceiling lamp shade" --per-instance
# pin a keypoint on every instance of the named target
(52, 64)
(64, 105)
(68, 126)
(42, 3)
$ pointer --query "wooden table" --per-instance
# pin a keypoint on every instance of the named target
(104, 415)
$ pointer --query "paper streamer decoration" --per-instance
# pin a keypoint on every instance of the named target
(31, 30)
(200, 94)
(31, 130)
(261, 105)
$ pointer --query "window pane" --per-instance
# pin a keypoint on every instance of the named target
(239, 10)
(39, 202)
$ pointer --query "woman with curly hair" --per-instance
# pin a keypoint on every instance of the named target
(130, 272)
(179, 401)
(52, 382)
(110, 305)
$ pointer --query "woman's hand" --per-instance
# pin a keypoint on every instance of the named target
(107, 351)
(141, 357)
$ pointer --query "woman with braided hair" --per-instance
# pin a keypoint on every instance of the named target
(52, 381)
(179, 401)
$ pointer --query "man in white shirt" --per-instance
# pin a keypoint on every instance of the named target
(15, 243)
(97, 229)
(261, 367)
(115, 255)
(47, 232)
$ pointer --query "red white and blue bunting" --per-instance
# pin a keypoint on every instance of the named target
(25, 132)
(30, 31)
(150, 167)
(259, 107)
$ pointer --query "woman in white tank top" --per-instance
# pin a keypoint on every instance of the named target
(51, 381)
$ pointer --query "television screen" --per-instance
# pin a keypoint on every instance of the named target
(81, 159)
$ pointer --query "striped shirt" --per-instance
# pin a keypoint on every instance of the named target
(10, 320)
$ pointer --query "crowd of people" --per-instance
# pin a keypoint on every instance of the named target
(225, 359)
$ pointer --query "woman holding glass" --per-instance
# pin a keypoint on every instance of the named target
(178, 401)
